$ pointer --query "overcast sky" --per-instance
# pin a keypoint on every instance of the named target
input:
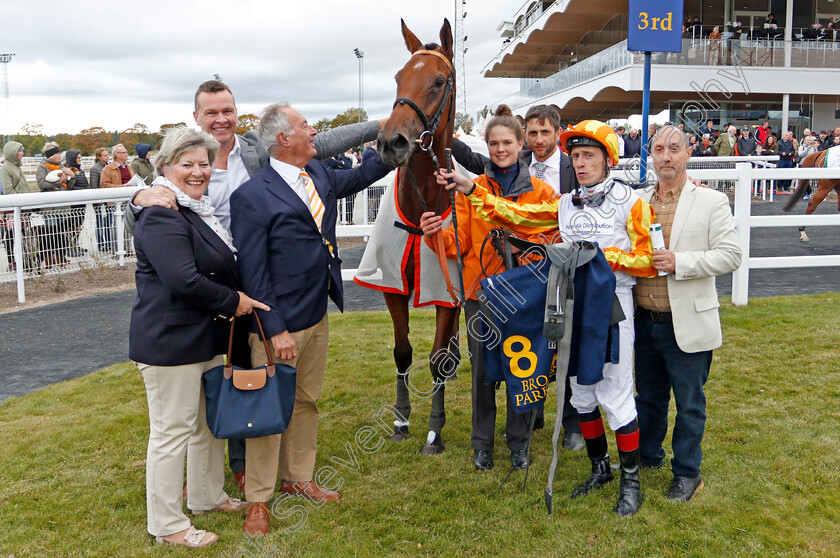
(81, 64)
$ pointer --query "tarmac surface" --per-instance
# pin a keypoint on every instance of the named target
(62, 341)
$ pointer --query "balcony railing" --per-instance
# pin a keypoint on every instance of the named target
(696, 52)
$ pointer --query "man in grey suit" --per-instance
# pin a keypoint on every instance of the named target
(239, 158)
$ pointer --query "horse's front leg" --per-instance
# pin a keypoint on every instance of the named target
(443, 362)
(403, 354)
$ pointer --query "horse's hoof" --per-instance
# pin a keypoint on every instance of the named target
(804, 237)
(400, 434)
(433, 446)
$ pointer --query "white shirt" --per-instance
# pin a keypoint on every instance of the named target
(552, 171)
(620, 145)
(224, 181)
(291, 174)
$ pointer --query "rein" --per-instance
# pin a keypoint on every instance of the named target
(425, 142)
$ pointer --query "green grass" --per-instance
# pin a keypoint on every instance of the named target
(72, 463)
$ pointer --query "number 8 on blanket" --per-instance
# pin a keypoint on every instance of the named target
(514, 349)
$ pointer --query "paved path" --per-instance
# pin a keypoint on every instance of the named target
(69, 339)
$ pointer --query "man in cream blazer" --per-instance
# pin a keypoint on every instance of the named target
(677, 322)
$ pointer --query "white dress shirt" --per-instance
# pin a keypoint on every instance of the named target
(552, 171)
(291, 174)
(224, 181)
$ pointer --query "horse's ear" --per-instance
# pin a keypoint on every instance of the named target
(446, 39)
(411, 41)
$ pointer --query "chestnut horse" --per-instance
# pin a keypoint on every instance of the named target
(418, 130)
(824, 186)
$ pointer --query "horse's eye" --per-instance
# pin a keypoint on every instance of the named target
(439, 82)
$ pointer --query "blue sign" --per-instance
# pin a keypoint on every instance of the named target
(655, 25)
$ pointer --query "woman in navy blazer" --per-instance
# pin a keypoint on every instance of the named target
(187, 292)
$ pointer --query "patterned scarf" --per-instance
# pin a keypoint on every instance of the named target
(200, 207)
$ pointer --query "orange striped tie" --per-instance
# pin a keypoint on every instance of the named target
(316, 206)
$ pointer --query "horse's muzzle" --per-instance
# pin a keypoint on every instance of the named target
(394, 150)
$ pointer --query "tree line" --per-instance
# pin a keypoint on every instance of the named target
(33, 138)
(87, 141)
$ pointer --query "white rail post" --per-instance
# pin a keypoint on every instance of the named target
(365, 205)
(19, 259)
(120, 224)
(741, 276)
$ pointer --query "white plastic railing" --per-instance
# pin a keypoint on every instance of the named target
(745, 176)
(82, 219)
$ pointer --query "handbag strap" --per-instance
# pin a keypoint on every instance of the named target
(269, 366)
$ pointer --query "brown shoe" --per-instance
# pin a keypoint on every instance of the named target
(256, 522)
(240, 479)
(308, 489)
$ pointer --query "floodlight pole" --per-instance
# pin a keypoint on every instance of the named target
(459, 55)
(5, 59)
(361, 56)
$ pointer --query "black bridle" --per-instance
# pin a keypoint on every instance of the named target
(425, 141)
(430, 125)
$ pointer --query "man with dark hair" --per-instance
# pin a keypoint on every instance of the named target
(545, 161)
(823, 142)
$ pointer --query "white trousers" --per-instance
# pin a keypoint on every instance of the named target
(615, 392)
(178, 428)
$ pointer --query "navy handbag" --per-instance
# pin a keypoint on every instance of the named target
(244, 403)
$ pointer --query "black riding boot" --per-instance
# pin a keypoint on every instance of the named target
(630, 496)
(601, 472)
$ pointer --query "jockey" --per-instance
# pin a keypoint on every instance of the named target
(607, 211)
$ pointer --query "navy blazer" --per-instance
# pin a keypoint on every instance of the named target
(186, 287)
(285, 262)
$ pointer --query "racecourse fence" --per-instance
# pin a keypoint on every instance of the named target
(53, 233)
(48, 234)
(628, 170)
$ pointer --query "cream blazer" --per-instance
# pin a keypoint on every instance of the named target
(705, 244)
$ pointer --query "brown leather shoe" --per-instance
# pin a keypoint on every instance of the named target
(240, 479)
(308, 489)
(256, 521)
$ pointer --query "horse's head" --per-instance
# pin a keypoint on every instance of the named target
(425, 97)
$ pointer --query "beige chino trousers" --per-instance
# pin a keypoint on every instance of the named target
(291, 454)
(178, 428)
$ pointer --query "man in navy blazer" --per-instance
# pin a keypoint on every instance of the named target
(288, 259)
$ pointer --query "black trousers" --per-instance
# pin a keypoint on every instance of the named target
(484, 400)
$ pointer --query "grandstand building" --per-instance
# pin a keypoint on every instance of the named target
(573, 54)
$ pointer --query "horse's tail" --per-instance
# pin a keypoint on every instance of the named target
(802, 184)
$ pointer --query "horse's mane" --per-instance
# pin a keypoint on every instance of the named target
(431, 46)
